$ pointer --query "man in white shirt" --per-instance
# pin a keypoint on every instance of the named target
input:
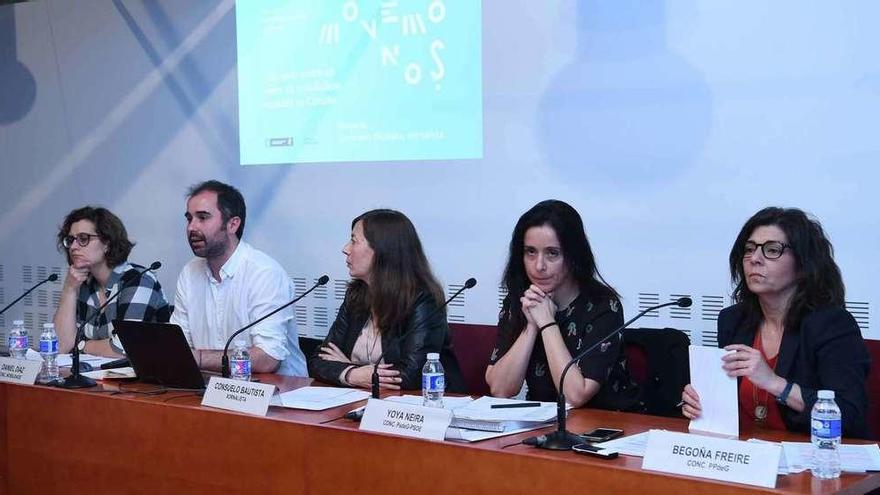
(229, 285)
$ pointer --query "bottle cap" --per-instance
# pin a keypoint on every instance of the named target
(433, 356)
(18, 322)
(826, 394)
(48, 325)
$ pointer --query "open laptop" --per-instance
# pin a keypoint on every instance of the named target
(159, 354)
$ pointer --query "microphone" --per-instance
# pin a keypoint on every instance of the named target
(469, 283)
(224, 361)
(51, 278)
(76, 380)
(561, 439)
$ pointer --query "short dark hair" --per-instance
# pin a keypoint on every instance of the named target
(229, 201)
(400, 271)
(818, 279)
(108, 227)
(576, 252)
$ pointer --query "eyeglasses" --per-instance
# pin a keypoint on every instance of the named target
(83, 239)
(771, 249)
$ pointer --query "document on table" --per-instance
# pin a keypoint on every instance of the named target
(114, 374)
(634, 445)
(451, 403)
(463, 434)
(718, 394)
(853, 458)
(65, 360)
(318, 398)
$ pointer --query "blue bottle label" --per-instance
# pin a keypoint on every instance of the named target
(20, 342)
(433, 383)
(241, 367)
(826, 428)
(48, 346)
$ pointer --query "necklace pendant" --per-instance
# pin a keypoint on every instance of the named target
(760, 412)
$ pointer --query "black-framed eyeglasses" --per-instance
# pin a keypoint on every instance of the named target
(83, 239)
(771, 249)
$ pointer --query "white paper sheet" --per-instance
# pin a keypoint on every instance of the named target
(481, 409)
(853, 458)
(451, 403)
(114, 374)
(318, 398)
(718, 395)
(633, 445)
(65, 360)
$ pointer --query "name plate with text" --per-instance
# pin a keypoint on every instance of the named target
(713, 458)
(238, 396)
(408, 420)
(22, 371)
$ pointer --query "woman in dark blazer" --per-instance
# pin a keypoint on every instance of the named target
(789, 328)
(391, 307)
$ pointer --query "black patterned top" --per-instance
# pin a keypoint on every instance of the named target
(582, 324)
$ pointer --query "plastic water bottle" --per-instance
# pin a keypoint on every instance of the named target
(433, 381)
(18, 340)
(240, 364)
(825, 427)
(49, 351)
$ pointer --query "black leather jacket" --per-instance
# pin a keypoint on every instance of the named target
(426, 331)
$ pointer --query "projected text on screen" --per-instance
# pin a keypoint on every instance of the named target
(346, 80)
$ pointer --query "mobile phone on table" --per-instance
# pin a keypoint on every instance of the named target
(592, 450)
(598, 435)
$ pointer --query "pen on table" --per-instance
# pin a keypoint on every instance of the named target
(516, 404)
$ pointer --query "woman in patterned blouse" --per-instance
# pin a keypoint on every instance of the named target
(557, 305)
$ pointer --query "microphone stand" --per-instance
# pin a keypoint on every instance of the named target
(467, 285)
(76, 380)
(562, 439)
(51, 278)
(224, 361)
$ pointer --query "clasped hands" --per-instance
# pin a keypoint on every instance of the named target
(746, 362)
(538, 306)
(362, 376)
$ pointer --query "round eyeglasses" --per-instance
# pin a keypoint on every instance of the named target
(83, 239)
(771, 249)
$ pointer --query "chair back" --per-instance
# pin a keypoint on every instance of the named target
(874, 389)
(657, 359)
(472, 346)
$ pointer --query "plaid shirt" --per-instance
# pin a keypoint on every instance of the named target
(141, 299)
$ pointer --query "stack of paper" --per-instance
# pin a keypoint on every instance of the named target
(318, 398)
(467, 411)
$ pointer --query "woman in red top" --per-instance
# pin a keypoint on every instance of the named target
(789, 328)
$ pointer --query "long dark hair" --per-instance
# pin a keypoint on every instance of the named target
(400, 271)
(108, 227)
(576, 252)
(818, 279)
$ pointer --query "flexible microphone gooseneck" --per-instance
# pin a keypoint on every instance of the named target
(467, 285)
(561, 439)
(224, 361)
(51, 278)
(76, 380)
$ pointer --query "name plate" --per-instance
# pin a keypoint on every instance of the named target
(713, 458)
(238, 396)
(19, 370)
(407, 420)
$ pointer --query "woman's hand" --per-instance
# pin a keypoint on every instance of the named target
(76, 276)
(691, 407)
(362, 376)
(748, 362)
(540, 306)
(330, 352)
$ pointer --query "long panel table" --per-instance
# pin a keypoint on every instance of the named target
(116, 439)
